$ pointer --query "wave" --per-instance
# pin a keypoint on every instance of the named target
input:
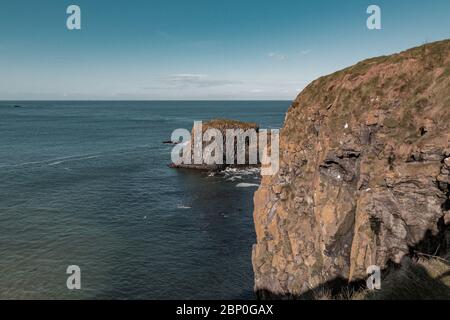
(246, 185)
(51, 162)
(233, 178)
(180, 206)
(240, 171)
(72, 159)
(56, 161)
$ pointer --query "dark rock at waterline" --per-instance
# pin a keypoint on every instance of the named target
(210, 168)
(200, 167)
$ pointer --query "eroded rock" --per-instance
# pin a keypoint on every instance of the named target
(364, 174)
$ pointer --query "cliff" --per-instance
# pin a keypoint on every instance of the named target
(364, 175)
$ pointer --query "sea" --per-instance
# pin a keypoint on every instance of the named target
(87, 184)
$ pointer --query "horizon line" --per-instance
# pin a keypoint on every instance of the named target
(136, 100)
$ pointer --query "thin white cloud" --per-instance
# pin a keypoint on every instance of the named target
(185, 77)
(277, 56)
(191, 80)
(282, 56)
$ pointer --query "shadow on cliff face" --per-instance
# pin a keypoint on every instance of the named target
(433, 244)
(422, 274)
(419, 276)
(330, 290)
(423, 279)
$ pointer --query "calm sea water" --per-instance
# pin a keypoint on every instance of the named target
(87, 184)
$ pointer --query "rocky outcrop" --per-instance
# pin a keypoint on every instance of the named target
(222, 125)
(364, 174)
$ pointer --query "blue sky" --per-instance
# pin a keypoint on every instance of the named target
(198, 49)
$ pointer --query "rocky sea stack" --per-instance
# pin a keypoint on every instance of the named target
(222, 125)
(364, 175)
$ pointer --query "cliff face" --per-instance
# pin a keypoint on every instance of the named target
(364, 174)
